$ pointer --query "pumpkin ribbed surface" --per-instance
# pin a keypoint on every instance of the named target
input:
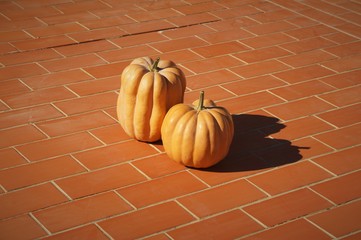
(148, 90)
(196, 136)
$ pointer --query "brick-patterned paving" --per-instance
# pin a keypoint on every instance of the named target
(289, 71)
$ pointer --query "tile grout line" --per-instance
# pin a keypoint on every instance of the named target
(40, 223)
(320, 228)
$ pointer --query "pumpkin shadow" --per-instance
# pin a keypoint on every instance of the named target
(252, 149)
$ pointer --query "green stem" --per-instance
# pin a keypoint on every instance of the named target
(201, 100)
(155, 65)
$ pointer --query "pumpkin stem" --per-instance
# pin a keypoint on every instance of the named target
(155, 65)
(201, 100)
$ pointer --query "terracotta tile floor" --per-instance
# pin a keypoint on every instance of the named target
(288, 70)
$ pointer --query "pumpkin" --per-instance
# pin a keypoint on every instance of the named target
(148, 90)
(197, 135)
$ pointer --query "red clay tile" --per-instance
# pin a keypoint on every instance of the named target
(301, 128)
(307, 45)
(10, 157)
(46, 42)
(343, 116)
(72, 62)
(296, 230)
(134, 40)
(232, 24)
(343, 80)
(220, 49)
(100, 181)
(289, 177)
(287, 207)
(12, 87)
(300, 108)
(322, 17)
(180, 56)
(344, 64)
(142, 222)
(267, 40)
(210, 78)
(23, 14)
(39, 172)
(87, 47)
(303, 73)
(88, 103)
(157, 166)
(262, 54)
(19, 135)
(6, 48)
(128, 53)
(38, 97)
(64, 18)
(273, 16)
(341, 162)
(28, 115)
(11, 36)
(86, 232)
(271, 27)
(177, 44)
(158, 190)
(218, 199)
(341, 220)
(354, 236)
(149, 26)
(341, 189)
(311, 31)
(110, 134)
(75, 123)
(97, 34)
(71, 7)
(250, 102)
(198, 8)
(225, 36)
(341, 138)
(310, 147)
(351, 28)
(30, 199)
(96, 86)
(110, 21)
(343, 97)
(345, 49)
(301, 90)
(82, 211)
(56, 79)
(340, 38)
(144, 16)
(192, 19)
(234, 12)
(215, 93)
(260, 68)
(107, 70)
(211, 64)
(185, 32)
(307, 58)
(30, 229)
(28, 57)
(59, 29)
(58, 146)
(20, 71)
(226, 226)
(253, 85)
(114, 154)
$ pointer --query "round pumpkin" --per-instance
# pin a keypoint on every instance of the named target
(148, 89)
(197, 135)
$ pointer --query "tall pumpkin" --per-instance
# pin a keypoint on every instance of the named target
(148, 90)
(197, 135)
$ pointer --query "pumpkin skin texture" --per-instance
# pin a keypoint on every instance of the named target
(197, 135)
(148, 90)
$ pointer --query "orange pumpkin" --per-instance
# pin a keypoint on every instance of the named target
(197, 135)
(148, 90)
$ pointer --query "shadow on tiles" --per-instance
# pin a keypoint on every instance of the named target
(252, 149)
